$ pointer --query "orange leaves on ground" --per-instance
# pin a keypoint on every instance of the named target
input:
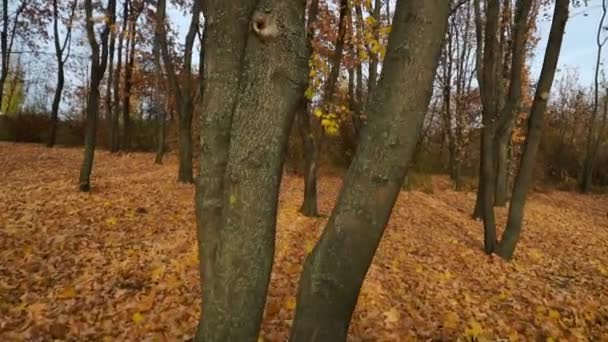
(121, 263)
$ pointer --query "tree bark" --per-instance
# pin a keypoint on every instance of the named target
(159, 106)
(523, 180)
(98, 67)
(183, 94)
(334, 271)
(130, 61)
(238, 186)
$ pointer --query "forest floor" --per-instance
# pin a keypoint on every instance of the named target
(120, 263)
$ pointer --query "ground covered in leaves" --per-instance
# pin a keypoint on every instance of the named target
(120, 263)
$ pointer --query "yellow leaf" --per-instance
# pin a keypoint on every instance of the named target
(232, 199)
(554, 314)
(318, 112)
(290, 303)
(137, 318)
(111, 221)
(474, 329)
(309, 246)
(157, 272)
(309, 93)
(419, 269)
(67, 293)
(392, 316)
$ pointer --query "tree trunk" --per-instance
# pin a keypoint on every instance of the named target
(110, 83)
(159, 106)
(592, 133)
(523, 180)
(334, 271)
(126, 100)
(309, 202)
(115, 127)
(59, 50)
(55, 105)
(373, 57)
(185, 141)
(501, 190)
(238, 187)
(98, 67)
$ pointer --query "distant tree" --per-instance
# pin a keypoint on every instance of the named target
(60, 49)
(183, 90)
(594, 128)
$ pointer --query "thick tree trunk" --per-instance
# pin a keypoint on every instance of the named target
(523, 180)
(238, 189)
(334, 271)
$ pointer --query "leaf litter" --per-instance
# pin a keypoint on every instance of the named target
(121, 263)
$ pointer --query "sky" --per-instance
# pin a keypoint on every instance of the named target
(579, 46)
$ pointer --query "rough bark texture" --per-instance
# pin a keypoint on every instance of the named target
(98, 67)
(523, 180)
(334, 271)
(242, 157)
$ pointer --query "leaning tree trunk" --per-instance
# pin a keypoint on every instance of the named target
(523, 180)
(334, 271)
(237, 195)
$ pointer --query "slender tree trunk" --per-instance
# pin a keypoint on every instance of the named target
(115, 126)
(523, 180)
(238, 189)
(159, 106)
(126, 100)
(335, 270)
(110, 83)
(592, 133)
(59, 50)
(374, 58)
(309, 202)
(98, 67)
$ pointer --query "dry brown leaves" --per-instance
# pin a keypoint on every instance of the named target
(121, 262)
